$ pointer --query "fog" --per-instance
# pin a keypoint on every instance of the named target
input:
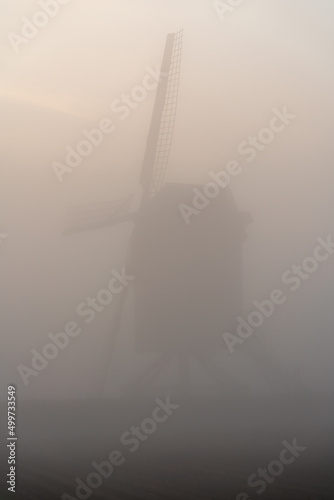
(265, 59)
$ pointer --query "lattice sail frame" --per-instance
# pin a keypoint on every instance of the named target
(168, 117)
(160, 135)
(87, 217)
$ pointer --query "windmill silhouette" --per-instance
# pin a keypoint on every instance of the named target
(188, 286)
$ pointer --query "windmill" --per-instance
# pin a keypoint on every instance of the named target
(171, 322)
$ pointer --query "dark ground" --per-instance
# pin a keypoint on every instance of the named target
(206, 450)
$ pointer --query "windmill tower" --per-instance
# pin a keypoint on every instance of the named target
(188, 286)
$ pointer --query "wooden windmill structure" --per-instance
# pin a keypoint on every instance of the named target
(183, 291)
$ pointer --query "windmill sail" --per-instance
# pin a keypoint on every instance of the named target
(162, 126)
(87, 217)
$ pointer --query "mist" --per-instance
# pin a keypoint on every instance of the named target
(255, 101)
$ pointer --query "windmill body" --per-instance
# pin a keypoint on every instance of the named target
(188, 285)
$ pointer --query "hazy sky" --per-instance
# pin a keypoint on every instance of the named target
(266, 54)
